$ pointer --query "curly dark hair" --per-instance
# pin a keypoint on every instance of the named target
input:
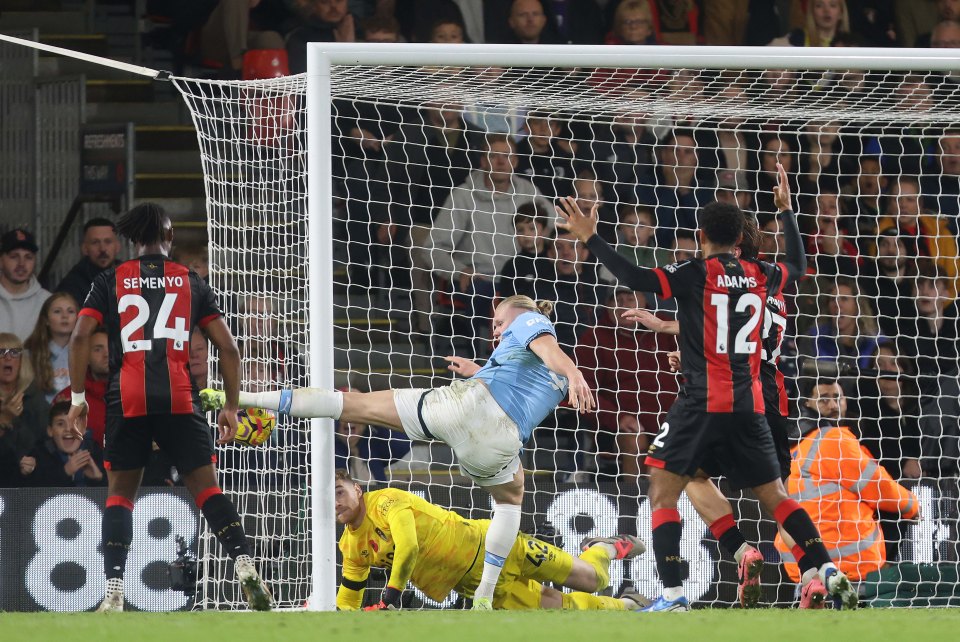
(722, 223)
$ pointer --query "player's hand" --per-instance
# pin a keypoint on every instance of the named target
(573, 220)
(581, 397)
(781, 193)
(390, 601)
(77, 420)
(227, 424)
(645, 318)
(461, 366)
(27, 465)
(673, 358)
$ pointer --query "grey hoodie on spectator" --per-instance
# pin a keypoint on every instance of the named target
(474, 229)
(19, 312)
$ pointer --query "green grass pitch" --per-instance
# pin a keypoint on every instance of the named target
(768, 625)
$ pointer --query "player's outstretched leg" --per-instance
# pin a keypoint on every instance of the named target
(377, 408)
(225, 523)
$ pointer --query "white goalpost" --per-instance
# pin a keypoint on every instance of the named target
(363, 217)
(291, 158)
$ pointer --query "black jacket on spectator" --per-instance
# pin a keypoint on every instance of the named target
(19, 440)
(575, 302)
(891, 434)
(936, 352)
(894, 300)
(78, 280)
(50, 473)
(422, 165)
(528, 274)
(552, 173)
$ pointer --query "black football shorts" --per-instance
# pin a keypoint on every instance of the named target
(738, 446)
(186, 439)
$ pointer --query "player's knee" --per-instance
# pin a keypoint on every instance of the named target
(550, 598)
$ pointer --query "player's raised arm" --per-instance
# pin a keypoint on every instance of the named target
(796, 260)
(546, 347)
(584, 227)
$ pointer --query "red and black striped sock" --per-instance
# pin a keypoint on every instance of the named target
(117, 533)
(798, 524)
(728, 534)
(224, 521)
(666, 545)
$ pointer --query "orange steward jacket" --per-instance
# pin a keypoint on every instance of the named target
(841, 486)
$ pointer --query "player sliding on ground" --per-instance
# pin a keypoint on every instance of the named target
(439, 551)
(149, 306)
(719, 415)
(485, 419)
(713, 507)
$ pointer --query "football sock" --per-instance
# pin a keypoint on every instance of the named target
(303, 402)
(501, 536)
(577, 601)
(798, 524)
(598, 557)
(666, 547)
(117, 528)
(224, 521)
(726, 532)
(803, 561)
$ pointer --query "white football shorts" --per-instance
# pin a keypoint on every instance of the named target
(465, 416)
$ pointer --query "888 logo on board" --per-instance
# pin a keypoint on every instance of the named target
(50, 558)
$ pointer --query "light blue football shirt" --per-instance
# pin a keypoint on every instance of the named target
(517, 378)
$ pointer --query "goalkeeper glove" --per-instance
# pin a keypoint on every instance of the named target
(389, 601)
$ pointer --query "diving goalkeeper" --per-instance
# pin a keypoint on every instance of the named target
(439, 551)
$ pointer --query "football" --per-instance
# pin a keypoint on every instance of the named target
(254, 426)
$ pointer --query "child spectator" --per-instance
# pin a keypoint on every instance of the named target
(98, 375)
(62, 460)
(48, 344)
(531, 271)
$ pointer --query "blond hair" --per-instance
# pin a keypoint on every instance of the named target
(524, 302)
(9, 340)
(810, 27)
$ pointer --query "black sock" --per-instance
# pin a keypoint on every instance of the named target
(798, 524)
(666, 546)
(803, 562)
(224, 521)
(117, 534)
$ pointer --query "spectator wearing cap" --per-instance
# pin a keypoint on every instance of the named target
(21, 296)
(99, 247)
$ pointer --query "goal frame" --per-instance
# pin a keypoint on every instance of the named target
(321, 56)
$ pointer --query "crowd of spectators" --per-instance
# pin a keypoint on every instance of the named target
(451, 205)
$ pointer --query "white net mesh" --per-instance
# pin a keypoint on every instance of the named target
(426, 193)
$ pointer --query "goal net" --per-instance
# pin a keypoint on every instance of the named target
(442, 185)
